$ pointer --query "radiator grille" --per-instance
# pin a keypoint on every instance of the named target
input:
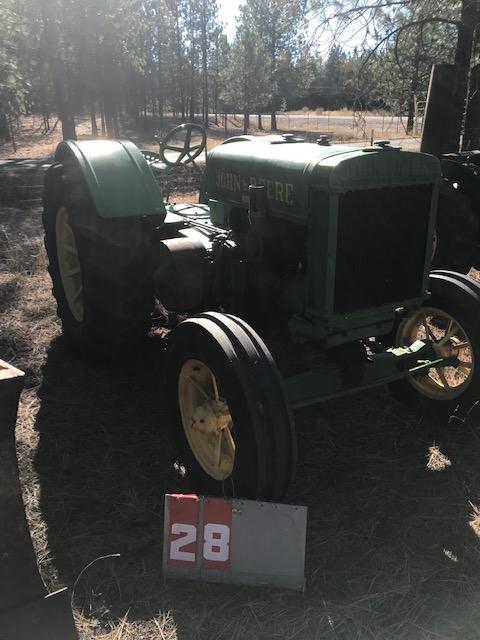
(380, 246)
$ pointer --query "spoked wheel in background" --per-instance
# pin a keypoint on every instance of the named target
(185, 143)
(234, 426)
(99, 267)
(450, 321)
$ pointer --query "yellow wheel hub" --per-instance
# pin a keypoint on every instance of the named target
(449, 341)
(206, 419)
(69, 264)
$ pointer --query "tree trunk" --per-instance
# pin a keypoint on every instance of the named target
(4, 128)
(180, 66)
(116, 128)
(11, 135)
(260, 126)
(410, 113)
(273, 118)
(413, 87)
(109, 89)
(58, 71)
(246, 121)
(192, 65)
(104, 124)
(192, 94)
(93, 116)
(161, 98)
(46, 119)
(204, 66)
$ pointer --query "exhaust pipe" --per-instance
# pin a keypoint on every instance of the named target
(27, 611)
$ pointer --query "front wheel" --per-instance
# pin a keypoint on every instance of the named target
(234, 426)
(450, 321)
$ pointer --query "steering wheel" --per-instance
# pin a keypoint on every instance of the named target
(187, 153)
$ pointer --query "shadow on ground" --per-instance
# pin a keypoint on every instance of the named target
(390, 554)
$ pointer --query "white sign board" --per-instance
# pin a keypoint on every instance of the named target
(234, 541)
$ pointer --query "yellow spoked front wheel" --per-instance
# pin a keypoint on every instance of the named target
(234, 429)
(450, 340)
(206, 419)
(450, 321)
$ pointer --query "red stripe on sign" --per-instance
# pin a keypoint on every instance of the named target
(217, 533)
(183, 529)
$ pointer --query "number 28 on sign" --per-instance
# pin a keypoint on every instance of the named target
(198, 537)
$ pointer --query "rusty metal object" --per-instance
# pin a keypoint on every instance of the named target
(27, 611)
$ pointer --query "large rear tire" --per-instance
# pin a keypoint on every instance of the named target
(450, 319)
(99, 267)
(234, 426)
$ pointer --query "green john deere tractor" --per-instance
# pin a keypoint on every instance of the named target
(325, 250)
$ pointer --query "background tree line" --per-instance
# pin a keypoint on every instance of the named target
(121, 60)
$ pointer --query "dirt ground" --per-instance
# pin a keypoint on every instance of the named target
(392, 546)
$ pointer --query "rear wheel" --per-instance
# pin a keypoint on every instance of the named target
(450, 321)
(468, 281)
(236, 432)
(99, 267)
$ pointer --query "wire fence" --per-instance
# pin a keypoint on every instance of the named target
(337, 125)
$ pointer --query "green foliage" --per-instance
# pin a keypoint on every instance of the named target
(131, 58)
(15, 64)
(401, 41)
(246, 76)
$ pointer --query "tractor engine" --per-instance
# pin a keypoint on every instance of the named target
(317, 234)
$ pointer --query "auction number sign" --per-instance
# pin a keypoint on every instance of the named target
(199, 532)
(234, 541)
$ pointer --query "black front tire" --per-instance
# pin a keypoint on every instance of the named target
(263, 428)
(113, 255)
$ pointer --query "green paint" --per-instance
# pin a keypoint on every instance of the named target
(118, 177)
(290, 170)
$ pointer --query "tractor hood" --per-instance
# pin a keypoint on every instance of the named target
(289, 168)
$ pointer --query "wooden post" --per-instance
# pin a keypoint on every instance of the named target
(442, 121)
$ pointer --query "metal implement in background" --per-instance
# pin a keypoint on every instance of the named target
(27, 611)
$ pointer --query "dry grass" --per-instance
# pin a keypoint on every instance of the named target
(33, 143)
(391, 549)
(437, 461)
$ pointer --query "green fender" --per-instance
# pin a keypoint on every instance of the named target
(118, 177)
